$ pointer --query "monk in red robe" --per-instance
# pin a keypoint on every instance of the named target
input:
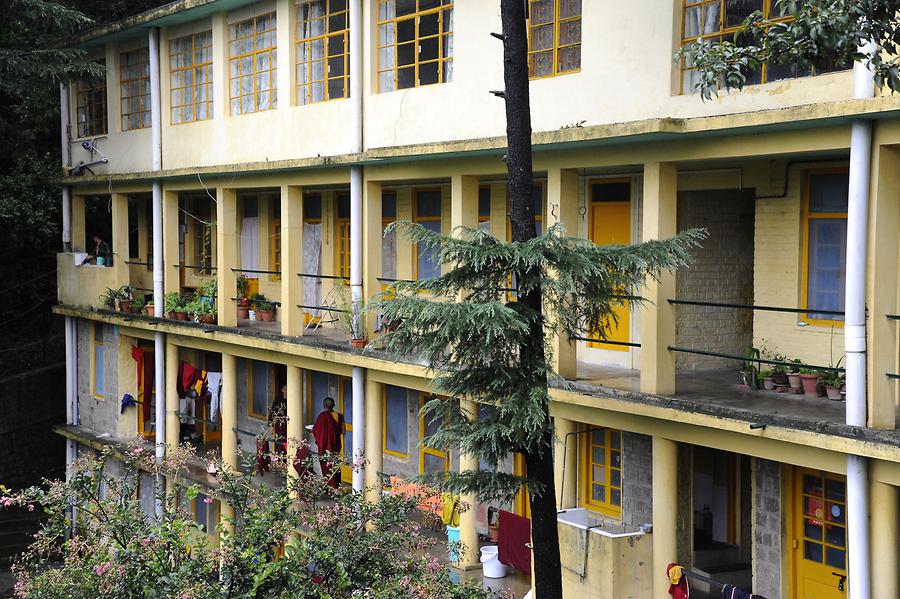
(328, 431)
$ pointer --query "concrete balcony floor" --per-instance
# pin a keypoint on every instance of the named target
(719, 392)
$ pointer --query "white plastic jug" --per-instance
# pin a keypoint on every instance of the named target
(490, 561)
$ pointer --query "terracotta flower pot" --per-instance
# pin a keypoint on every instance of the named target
(780, 379)
(811, 387)
(833, 393)
(148, 309)
(358, 343)
(769, 384)
(172, 315)
(207, 318)
(181, 315)
(794, 380)
(265, 315)
(243, 312)
(125, 306)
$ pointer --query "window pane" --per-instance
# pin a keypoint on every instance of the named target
(738, 10)
(827, 266)
(836, 558)
(433, 464)
(260, 388)
(396, 419)
(812, 551)
(428, 203)
(429, 266)
(828, 192)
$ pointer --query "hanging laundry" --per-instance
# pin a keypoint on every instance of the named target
(200, 384)
(186, 377)
(262, 456)
(214, 386)
(678, 582)
(187, 407)
(732, 592)
(138, 354)
(149, 382)
(515, 536)
(128, 401)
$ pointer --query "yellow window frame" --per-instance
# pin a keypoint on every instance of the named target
(133, 76)
(236, 57)
(343, 383)
(557, 24)
(805, 218)
(424, 449)
(97, 326)
(270, 368)
(90, 101)
(722, 31)
(423, 219)
(304, 90)
(178, 71)
(342, 247)
(384, 447)
(275, 248)
(442, 10)
(588, 445)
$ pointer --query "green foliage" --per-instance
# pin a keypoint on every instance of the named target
(260, 302)
(173, 302)
(121, 551)
(821, 34)
(473, 344)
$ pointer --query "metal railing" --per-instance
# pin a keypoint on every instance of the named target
(754, 307)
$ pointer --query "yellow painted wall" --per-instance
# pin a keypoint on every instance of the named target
(616, 566)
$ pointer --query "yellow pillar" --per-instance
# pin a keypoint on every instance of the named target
(291, 259)
(119, 241)
(229, 423)
(565, 470)
(227, 248)
(171, 272)
(79, 231)
(173, 424)
(498, 210)
(882, 287)
(373, 231)
(463, 201)
(883, 510)
(562, 208)
(658, 318)
(468, 533)
(294, 415)
(374, 438)
(665, 508)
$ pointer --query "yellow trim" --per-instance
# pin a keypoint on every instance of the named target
(235, 58)
(194, 43)
(423, 449)
(250, 382)
(556, 23)
(587, 445)
(90, 100)
(275, 248)
(304, 90)
(343, 382)
(143, 396)
(384, 420)
(342, 247)
(134, 76)
(804, 244)
(522, 502)
(94, 344)
(416, 17)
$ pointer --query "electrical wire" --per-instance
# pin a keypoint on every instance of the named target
(20, 285)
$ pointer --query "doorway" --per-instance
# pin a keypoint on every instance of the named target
(819, 531)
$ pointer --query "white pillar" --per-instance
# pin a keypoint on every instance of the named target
(65, 151)
(359, 427)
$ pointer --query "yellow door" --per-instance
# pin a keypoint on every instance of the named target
(522, 504)
(820, 535)
(611, 223)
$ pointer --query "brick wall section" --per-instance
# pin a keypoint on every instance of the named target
(98, 413)
(33, 403)
(722, 271)
(637, 475)
(767, 528)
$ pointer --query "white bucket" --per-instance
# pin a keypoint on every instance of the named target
(490, 561)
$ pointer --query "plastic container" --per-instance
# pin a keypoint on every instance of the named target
(490, 562)
(453, 542)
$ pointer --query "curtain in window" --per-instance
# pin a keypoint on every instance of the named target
(250, 245)
(827, 266)
(703, 19)
(387, 55)
(396, 420)
(311, 54)
(312, 264)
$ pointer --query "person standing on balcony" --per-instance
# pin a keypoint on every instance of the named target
(328, 432)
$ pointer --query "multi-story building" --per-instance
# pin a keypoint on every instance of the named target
(276, 139)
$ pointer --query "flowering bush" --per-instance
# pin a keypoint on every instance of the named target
(302, 539)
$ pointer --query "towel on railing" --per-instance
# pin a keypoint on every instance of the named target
(678, 582)
(515, 536)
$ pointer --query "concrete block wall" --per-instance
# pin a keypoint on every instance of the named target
(100, 414)
(722, 271)
(637, 479)
(768, 527)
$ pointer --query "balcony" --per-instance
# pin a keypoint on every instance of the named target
(83, 285)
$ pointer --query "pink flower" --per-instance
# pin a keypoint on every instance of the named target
(30, 507)
(208, 500)
(101, 569)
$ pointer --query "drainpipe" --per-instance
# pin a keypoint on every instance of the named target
(855, 333)
(71, 403)
(159, 341)
(66, 152)
(356, 241)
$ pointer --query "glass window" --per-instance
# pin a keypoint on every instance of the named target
(134, 86)
(191, 78)
(602, 464)
(824, 525)
(252, 67)
(261, 388)
(432, 459)
(389, 240)
(90, 107)
(322, 51)
(396, 434)
(428, 214)
(826, 243)
(134, 229)
(554, 37)
(415, 43)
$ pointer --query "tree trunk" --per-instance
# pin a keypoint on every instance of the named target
(539, 462)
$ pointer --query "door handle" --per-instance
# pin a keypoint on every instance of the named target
(842, 578)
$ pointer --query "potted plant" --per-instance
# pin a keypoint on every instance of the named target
(201, 310)
(243, 302)
(175, 306)
(794, 377)
(834, 382)
(109, 298)
(137, 306)
(750, 371)
(125, 297)
(810, 380)
(350, 325)
(768, 379)
(263, 306)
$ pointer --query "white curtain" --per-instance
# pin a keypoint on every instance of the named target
(703, 19)
(311, 55)
(448, 48)
(250, 245)
(312, 264)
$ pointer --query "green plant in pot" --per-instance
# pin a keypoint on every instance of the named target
(201, 310)
(175, 306)
(243, 302)
(810, 381)
(768, 379)
(137, 306)
(263, 306)
(750, 370)
(346, 320)
(834, 382)
(793, 375)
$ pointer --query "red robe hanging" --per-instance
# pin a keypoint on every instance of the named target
(328, 432)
